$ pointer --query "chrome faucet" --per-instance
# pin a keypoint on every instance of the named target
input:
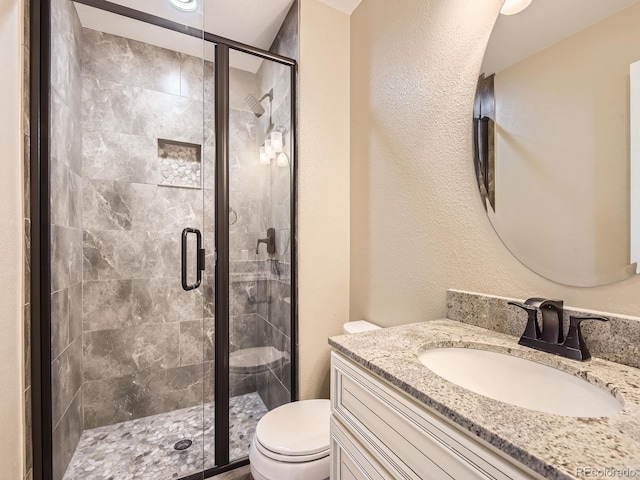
(550, 338)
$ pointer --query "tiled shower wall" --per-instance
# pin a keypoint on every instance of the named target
(260, 196)
(127, 340)
(274, 385)
(257, 294)
(143, 335)
(66, 233)
(249, 203)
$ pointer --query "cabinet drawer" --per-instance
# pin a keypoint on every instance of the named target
(349, 461)
(408, 440)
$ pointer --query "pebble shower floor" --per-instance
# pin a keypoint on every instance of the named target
(144, 448)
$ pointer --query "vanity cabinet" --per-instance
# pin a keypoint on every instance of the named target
(349, 460)
(379, 432)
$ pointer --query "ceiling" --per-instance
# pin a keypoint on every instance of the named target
(543, 24)
(252, 22)
(345, 6)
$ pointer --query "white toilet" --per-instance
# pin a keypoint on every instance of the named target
(292, 441)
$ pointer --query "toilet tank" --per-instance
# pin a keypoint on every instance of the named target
(358, 326)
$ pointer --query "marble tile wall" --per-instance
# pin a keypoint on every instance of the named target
(66, 233)
(259, 197)
(247, 294)
(248, 184)
(251, 197)
(145, 348)
(254, 300)
(617, 340)
(274, 385)
(136, 342)
(248, 180)
(127, 341)
(287, 40)
(274, 329)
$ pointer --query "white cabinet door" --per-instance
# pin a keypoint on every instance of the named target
(349, 460)
(407, 439)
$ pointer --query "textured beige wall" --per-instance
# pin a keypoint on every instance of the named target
(562, 153)
(417, 224)
(11, 453)
(323, 199)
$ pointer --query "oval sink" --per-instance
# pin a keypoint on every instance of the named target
(520, 382)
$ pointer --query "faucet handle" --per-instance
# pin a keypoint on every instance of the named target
(270, 241)
(533, 329)
(577, 319)
(574, 339)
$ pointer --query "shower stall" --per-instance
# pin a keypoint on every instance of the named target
(163, 199)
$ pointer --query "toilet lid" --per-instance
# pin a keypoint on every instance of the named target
(296, 429)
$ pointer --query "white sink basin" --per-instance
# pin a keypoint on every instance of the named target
(520, 382)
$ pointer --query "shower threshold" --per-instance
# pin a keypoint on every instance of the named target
(145, 448)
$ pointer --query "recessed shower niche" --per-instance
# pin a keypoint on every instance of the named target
(179, 164)
(150, 136)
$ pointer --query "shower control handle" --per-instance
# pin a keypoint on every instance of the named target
(270, 241)
(200, 259)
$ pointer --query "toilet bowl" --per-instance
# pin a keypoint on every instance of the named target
(292, 441)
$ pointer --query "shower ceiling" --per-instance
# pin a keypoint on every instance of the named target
(252, 22)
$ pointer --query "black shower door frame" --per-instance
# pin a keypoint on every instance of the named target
(39, 150)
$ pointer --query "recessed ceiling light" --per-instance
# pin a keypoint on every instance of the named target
(511, 7)
(184, 5)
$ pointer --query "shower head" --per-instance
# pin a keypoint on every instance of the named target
(255, 105)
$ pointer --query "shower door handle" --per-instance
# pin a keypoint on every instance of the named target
(199, 259)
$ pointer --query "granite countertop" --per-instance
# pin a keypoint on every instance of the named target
(554, 446)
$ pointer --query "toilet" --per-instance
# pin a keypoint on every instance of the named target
(292, 441)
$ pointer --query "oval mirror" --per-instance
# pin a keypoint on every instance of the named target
(557, 138)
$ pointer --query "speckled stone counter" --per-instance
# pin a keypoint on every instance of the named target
(556, 447)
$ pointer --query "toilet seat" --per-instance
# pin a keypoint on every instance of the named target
(266, 468)
(289, 458)
(295, 432)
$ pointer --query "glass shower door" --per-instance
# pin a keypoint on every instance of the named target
(260, 169)
(146, 164)
(131, 351)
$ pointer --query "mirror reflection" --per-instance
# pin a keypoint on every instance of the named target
(553, 136)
